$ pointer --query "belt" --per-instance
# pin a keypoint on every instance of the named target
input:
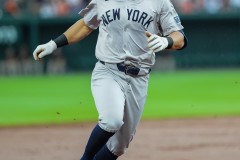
(128, 69)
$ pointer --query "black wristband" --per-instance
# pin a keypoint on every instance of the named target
(170, 42)
(61, 41)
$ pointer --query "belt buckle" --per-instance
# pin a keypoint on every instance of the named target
(133, 69)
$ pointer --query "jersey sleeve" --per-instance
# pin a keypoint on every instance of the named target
(169, 19)
(90, 15)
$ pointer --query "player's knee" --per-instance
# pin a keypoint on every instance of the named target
(119, 152)
(111, 123)
(115, 123)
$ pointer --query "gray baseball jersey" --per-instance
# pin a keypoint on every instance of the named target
(122, 24)
(120, 98)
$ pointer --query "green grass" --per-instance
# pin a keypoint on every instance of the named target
(194, 93)
(67, 99)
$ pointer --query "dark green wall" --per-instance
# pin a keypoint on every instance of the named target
(213, 40)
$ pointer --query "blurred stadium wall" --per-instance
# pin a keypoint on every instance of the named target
(213, 35)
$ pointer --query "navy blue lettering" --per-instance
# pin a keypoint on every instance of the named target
(135, 15)
(116, 14)
(129, 13)
(148, 22)
(108, 16)
(105, 22)
(142, 18)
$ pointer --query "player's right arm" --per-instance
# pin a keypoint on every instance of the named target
(75, 33)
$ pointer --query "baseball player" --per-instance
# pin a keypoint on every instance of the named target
(130, 33)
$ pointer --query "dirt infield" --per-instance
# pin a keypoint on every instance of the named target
(185, 139)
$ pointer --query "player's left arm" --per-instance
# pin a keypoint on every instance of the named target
(179, 40)
(174, 41)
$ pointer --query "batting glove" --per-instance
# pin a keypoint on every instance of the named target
(44, 49)
(156, 43)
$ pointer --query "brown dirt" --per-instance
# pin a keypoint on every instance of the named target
(185, 139)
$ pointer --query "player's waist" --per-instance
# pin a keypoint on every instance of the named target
(128, 69)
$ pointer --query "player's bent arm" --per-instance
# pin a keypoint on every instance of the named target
(178, 40)
(175, 41)
(77, 32)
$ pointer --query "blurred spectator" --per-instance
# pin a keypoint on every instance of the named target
(37, 67)
(2, 2)
(62, 7)
(206, 6)
(33, 7)
(213, 6)
(216, 6)
(44, 8)
(51, 8)
(10, 65)
(57, 63)
(25, 61)
(19, 63)
(226, 6)
(47, 9)
(165, 62)
(186, 6)
(77, 5)
(235, 5)
(11, 7)
(23, 64)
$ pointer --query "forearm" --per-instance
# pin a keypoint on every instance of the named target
(77, 32)
(178, 40)
(174, 41)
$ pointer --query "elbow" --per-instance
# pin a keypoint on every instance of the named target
(180, 45)
(183, 43)
(180, 40)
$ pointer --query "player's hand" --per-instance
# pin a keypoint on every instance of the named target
(156, 43)
(44, 49)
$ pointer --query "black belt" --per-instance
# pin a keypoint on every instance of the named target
(127, 69)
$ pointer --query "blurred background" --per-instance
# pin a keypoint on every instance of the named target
(201, 80)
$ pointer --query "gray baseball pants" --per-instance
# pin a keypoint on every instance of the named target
(119, 99)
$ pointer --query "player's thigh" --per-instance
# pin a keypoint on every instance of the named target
(135, 100)
(108, 96)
